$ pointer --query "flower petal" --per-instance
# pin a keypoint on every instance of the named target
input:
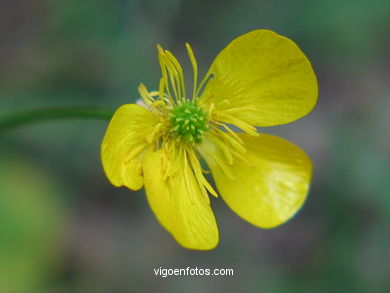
(271, 186)
(178, 204)
(124, 141)
(263, 79)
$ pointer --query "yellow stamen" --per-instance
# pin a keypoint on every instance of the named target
(228, 129)
(224, 148)
(251, 130)
(194, 68)
(220, 163)
(145, 95)
(155, 134)
(179, 71)
(203, 183)
(163, 71)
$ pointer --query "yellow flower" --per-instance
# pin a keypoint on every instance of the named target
(259, 79)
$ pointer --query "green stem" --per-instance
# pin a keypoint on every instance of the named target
(33, 116)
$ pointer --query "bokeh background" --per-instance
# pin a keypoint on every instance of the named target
(64, 228)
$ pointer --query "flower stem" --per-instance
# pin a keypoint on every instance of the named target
(39, 115)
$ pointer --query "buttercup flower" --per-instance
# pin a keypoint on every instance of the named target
(260, 79)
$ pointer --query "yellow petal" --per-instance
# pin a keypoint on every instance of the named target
(271, 186)
(263, 79)
(124, 142)
(179, 204)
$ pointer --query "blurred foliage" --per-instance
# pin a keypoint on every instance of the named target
(83, 235)
(32, 225)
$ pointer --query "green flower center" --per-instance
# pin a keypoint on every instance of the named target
(188, 122)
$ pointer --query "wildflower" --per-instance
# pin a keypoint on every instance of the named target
(259, 79)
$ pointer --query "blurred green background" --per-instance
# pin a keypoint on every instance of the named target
(64, 228)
